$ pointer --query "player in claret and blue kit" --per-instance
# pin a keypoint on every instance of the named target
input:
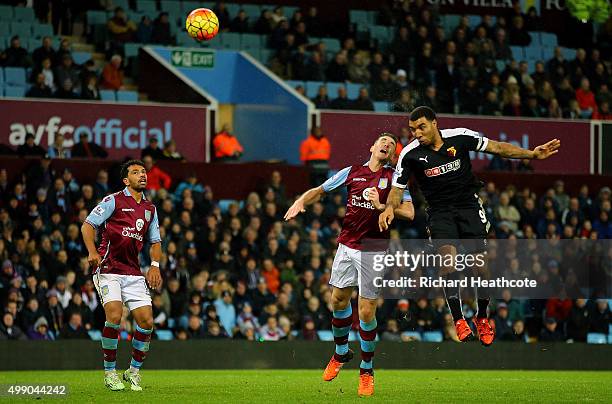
(124, 220)
(368, 186)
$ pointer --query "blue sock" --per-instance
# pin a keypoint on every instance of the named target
(341, 326)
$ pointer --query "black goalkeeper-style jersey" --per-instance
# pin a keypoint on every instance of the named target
(444, 176)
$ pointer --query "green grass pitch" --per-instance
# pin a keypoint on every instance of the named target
(306, 386)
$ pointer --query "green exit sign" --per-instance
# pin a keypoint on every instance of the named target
(193, 58)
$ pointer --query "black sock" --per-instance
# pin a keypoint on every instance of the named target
(482, 308)
(455, 308)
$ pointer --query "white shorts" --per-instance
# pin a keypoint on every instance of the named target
(131, 290)
(352, 268)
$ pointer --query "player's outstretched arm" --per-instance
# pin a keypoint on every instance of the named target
(509, 150)
(308, 198)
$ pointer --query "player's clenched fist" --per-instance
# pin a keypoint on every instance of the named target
(154, 278)
(93, 259)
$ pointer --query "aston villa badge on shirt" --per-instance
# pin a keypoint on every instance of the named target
(148, 215)
(382, 183)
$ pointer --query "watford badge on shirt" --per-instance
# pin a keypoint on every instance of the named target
(451, 151)
(382, 183)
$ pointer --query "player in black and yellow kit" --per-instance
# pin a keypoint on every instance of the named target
(440, 162)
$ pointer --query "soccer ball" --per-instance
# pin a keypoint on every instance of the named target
(202, 24)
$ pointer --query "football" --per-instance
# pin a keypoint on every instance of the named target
(202, 24)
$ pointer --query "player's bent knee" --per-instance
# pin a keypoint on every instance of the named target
(367, 309)
(146, 323)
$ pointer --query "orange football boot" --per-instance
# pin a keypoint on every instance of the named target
(334, 366)
(464, 331)
(366, 384)
(485, 331)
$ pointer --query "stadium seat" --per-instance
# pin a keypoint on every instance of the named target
(96, 17)
(171, 323)
(25, 14)
(81, 57)
(568, 53)
(332, 44)
(289, 11)
(609, 338)
(381, 106)
(147, 6)
(332, 89)
(412, 334)
(325, 335)
(474, 20)
(230, 40)
(547, 53)
(95, 335)
(21, 29)
(251, 41)
(224, 204)
(535, 38)
(352, 90)
(40, 30)
(312, 88)
(124, 4)
(381, 33)
(451, 21)
(164, 335)
(596, 338)
(14, 91)
(131, 49)
(233, 9)
(108, 95)
(432, 336)
(358, 16)
(533, 52)
(517, 53)
(255, 53)
(266, 55)
(127, 96)
(189, 6)
(15, 76)
(501, 65)
(170, 6)
(548, 39)
(294, 83)
(4, 31)
(6, 12)
(252, 10)
(1, 77)
(183, 38)
(531, 66)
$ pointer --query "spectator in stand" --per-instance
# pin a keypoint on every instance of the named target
(226, 146)
(315, 69)
(404, 103)
(45, 51)
(430, 98)
(90, 90)
(491, 105)
(586, 99)
(341, 101)
(29, 148)
(501, 46)
(363, 101)
(550, 333)
(357, 70)
(64, 49)
(74, 329)
(519, 36)
(469, 97)
(39, 331)
(600, 317)
(240, 23)
(161, 33)
(121, 29)
(156, 178)
(153, 149)
(112, 75)
(57, 149)
(338, 69)
(604, 112)
(46, 69)
(376, 66)
(144, 30)
(9, 330)
(315, 152)
(578, 321)
(503, 324)
(15, 55)
(514, 107)
(264, 24)
(385, 89)
(322, 100)
(84, 148)
(223, 15)
(66, 91)
(170, 152)
(448, 79)
(66, 71)
(39, 89)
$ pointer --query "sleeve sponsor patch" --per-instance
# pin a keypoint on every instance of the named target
(98, 210)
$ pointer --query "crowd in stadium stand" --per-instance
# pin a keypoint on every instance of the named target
(242, 272)
(423, 65)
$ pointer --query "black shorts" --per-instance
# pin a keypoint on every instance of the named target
(469, 223)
